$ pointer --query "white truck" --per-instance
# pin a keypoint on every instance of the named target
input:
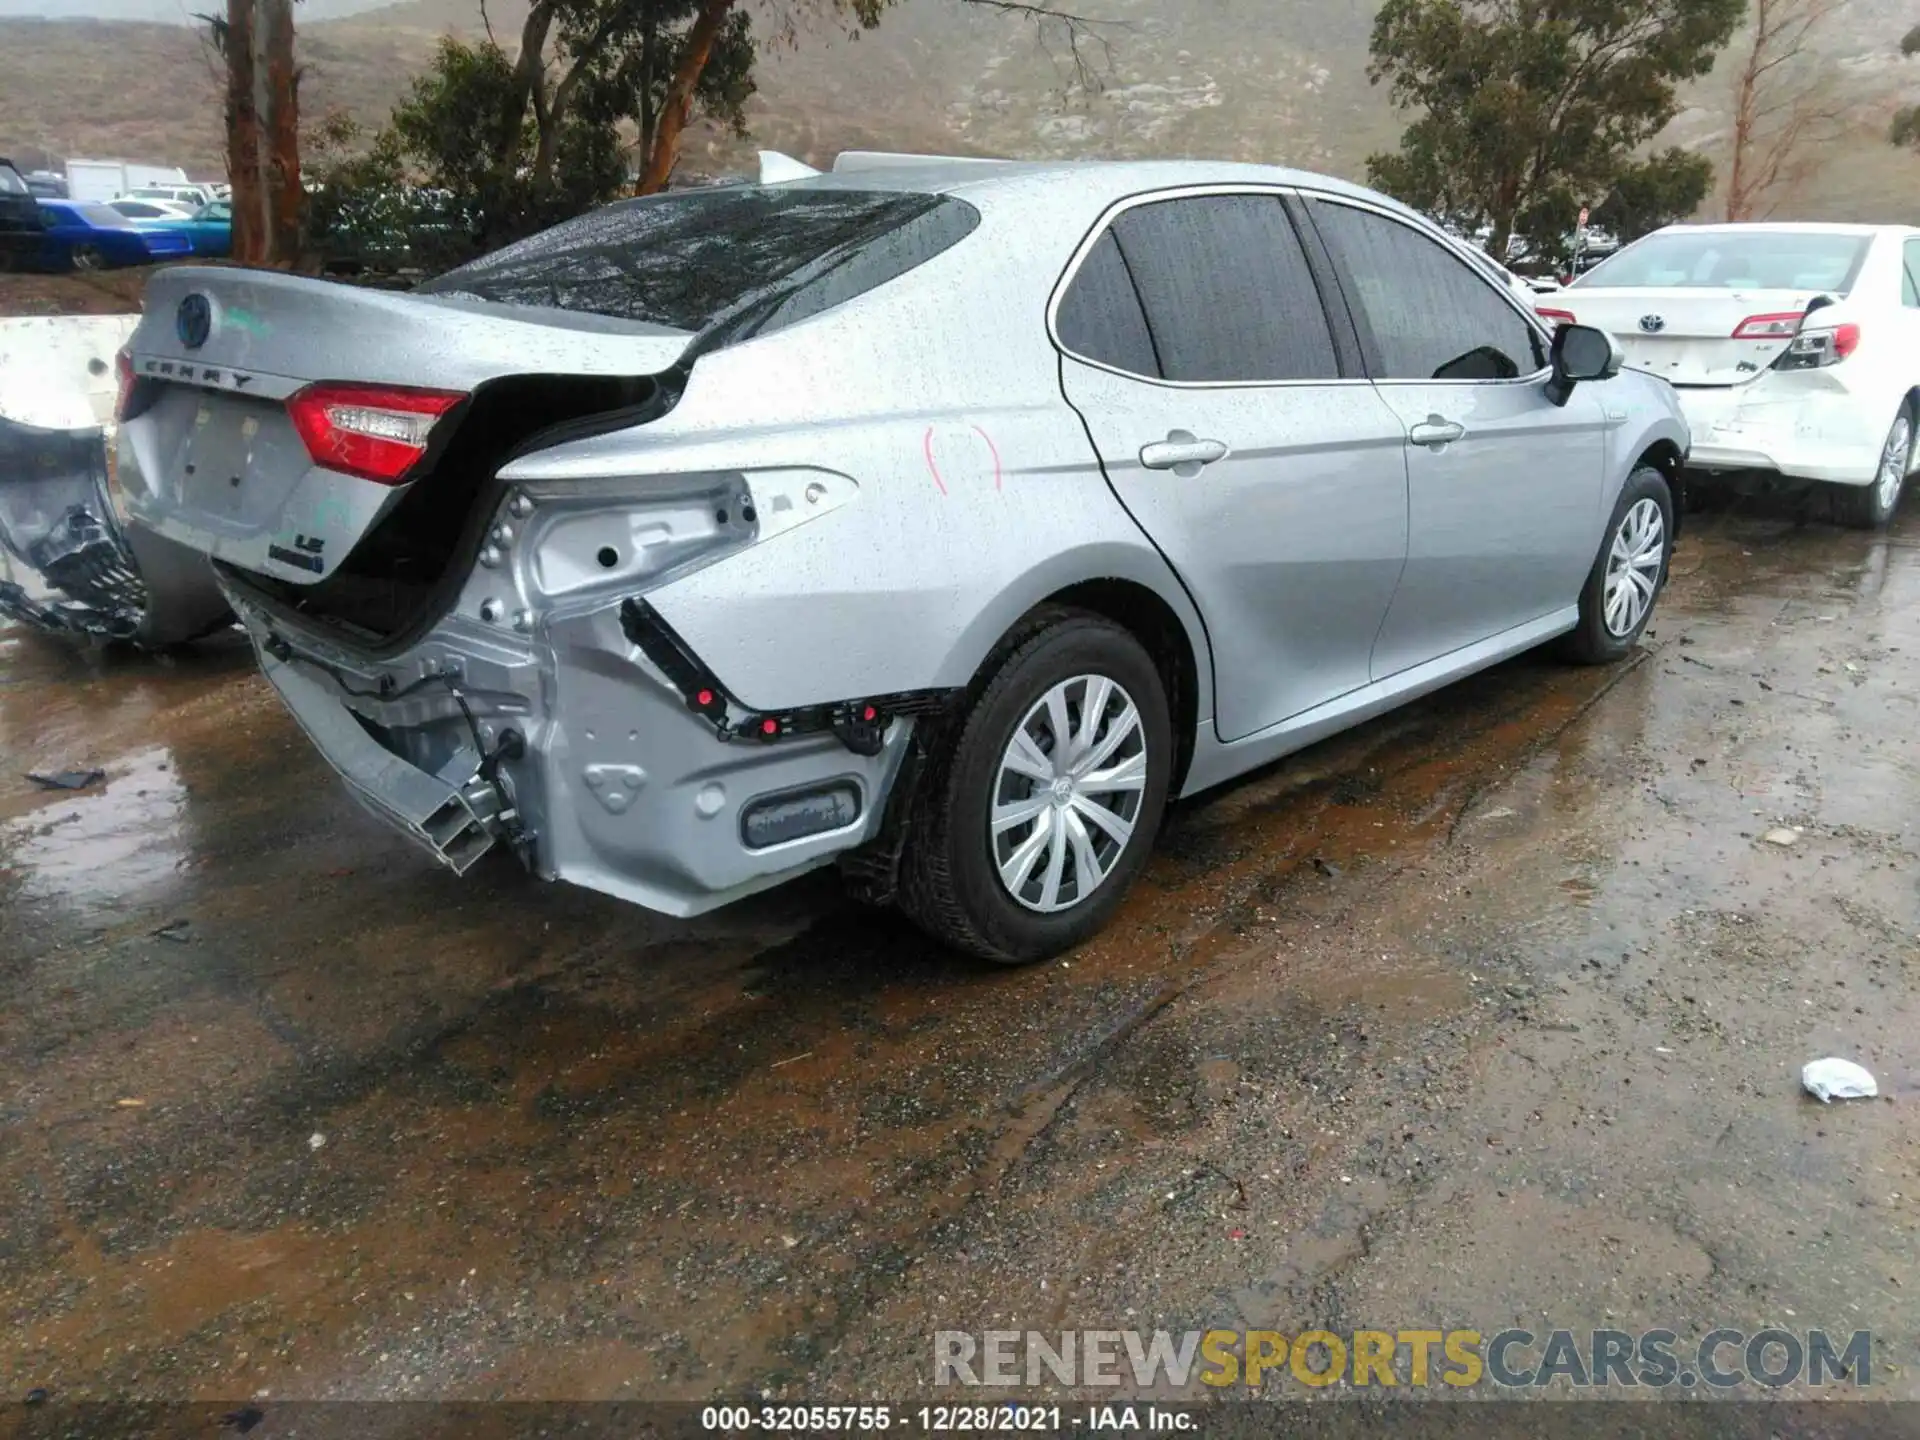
(98, 181)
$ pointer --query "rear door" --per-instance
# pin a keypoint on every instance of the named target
(1504, 487)
(1234, 424)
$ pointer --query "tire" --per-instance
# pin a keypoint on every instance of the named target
(951, 880)
(1872, 507)
(1594, 640)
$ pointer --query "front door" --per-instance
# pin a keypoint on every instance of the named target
(1504, 487)
(1200, 355)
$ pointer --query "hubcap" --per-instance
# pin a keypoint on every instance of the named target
(1633, 567)
(1893, 462)
(1068, 793)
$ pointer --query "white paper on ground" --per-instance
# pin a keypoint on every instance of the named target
(1829, 1080)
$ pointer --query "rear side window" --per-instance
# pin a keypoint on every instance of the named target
(1426, 313)
(1226, 290)
(1910, 274)
(1100, 318)
(697, 258)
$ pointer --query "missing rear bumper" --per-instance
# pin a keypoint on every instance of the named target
(454, 816)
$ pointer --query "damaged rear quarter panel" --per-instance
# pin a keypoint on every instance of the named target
(975, 493)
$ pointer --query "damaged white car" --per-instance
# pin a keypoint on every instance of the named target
(940, 519)
(68, 566)
(1795, 348)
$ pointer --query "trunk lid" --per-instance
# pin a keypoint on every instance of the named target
(210, 454)
(1687, 336)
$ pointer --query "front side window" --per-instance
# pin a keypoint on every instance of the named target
(1424, 313)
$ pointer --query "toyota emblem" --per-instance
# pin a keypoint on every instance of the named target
(193, 321)
(1653, 324)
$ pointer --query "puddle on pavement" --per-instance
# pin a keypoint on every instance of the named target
(731, 1143)
(118, 842)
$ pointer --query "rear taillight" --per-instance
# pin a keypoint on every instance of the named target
(377, 432)
(1817, 349)
(1769, 327)
(1555, 317)
(123, 396)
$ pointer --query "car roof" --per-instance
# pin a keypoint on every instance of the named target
(1789, 227)
(1102, 181)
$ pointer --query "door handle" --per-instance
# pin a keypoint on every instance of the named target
(1436, 431)
(1182, 453)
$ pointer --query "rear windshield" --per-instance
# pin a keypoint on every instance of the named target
(693, 258)
(1730, 260)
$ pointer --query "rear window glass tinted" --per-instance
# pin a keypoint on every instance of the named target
(1725, 260)
(1100, 318)
(691, 259)
(1227, 291)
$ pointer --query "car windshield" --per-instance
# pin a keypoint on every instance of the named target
(687, 259)
(10, 181)
(1733, 260)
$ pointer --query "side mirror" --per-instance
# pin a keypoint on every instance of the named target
(1580, 352)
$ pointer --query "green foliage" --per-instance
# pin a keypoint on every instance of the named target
(1905, 129)
(1530, 108)
(494, 163)
(1664, 188)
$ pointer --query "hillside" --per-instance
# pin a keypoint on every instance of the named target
(1278, 80)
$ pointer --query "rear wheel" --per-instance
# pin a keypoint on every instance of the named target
(1036, 814)
(87, 258)
(1629, 573)
(1871, 507)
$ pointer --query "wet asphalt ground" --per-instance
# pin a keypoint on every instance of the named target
(1488, 1014)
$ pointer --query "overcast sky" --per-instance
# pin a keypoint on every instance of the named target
(173, 12)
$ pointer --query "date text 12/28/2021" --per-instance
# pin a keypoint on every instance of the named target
(944, 1419)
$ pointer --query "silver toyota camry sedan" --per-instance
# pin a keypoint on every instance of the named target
(943, 520)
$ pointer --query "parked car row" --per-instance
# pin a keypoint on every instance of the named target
(942, 520)
(45, 232)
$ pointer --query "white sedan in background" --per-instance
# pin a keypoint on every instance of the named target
(1795, 348)
(135, 208)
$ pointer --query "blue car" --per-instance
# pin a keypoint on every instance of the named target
(82, 236)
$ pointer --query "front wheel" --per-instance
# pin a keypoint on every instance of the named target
(1034, 817)
(87, 259)
(1629, 573)
(1871, 507)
